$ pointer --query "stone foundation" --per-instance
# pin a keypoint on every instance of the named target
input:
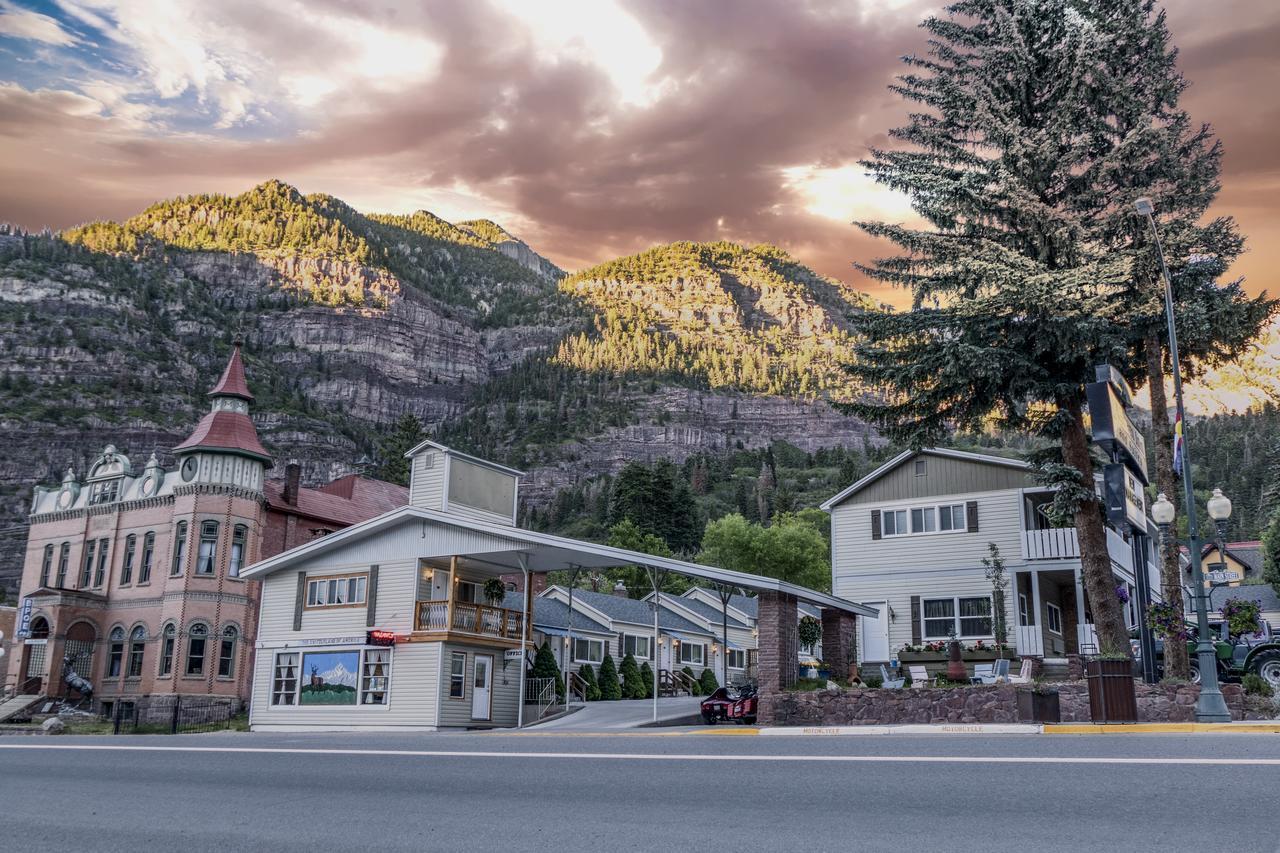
(1157, 703)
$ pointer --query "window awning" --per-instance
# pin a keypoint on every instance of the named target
(685, 638)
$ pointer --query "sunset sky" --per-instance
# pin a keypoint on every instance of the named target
(590, 128)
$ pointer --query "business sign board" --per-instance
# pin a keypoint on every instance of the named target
(1222, 577)
(1125, 498)
(512, 654)
(24, 619)
(1113, 430)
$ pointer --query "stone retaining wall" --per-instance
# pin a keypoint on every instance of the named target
(1172, 703)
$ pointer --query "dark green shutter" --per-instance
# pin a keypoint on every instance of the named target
(971, 516)
(299, 601)
(915, 620)
(875, 524)
(371, 598)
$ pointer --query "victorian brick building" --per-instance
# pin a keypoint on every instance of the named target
(133, 575)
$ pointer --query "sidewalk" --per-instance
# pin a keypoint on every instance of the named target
(1261, 727)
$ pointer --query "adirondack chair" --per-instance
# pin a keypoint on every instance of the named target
(886, 681)
(919, 676)
(983, 673)
(1001, 671)
(1024, 674)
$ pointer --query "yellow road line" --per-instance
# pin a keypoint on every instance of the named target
(1160, 728)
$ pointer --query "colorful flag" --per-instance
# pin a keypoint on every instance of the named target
(1177, 444)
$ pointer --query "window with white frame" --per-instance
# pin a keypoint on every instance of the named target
(375, 676)
(965, 617)
(207, 556)
(337, 591)
(238, 535)
(284, 679)
(1024, 610)
(692, 653)
(586, 650)
(1053, 618)
(893, 522)
(951, 518)
(458, 675)
(638, 647)
(737, 658)
(924, 519)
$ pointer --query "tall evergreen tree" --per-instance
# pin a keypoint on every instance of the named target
(1014, 301)
(405, 434)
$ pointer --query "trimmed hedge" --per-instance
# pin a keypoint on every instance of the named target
(610, 689)
(646, 675)
(632, 680)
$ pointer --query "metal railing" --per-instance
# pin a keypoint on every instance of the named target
(172, 715)
(479, 619)
(575, 685)
(540, 693)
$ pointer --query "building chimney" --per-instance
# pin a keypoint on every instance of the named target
(292, 473)
(620, 590)
(537, 581)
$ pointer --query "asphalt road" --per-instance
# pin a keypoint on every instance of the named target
(651, 791)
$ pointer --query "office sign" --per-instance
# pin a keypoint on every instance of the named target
(512, 654)
(24, 619)
(1113, 430)
(1125, 499)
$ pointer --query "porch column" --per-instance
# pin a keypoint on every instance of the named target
(839, 630)
(1036, 609)
(779, 641)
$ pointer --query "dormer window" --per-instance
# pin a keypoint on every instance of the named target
(104, 492)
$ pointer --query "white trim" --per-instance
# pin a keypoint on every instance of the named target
(839, 497)
(1050, 609)
(448, 451)
(573, 651)
(956, 617)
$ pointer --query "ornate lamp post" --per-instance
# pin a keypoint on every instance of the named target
(1210, 707)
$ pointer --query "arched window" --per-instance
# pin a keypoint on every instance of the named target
(115, 652)
(137, 647)
(227, 652)
(179, 549)
(238, 536)
(126, 565)
(39, 628)
(64, 557)
(46, 566)
(86, 567)
(207, 557)
(197, 635)
(148, 552)
(169, 637)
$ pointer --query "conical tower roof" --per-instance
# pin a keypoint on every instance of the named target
(228, 427)
(233, 383)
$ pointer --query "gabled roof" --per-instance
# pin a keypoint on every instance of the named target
(229, 432)
(1246, 553)
(907, 455)
(435, 445)
(233, 383)
(542, 552)
(712, 614)
(634, 611)
(552, 613)
(347, 500)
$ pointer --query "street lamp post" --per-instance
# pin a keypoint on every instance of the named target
(1210, 707)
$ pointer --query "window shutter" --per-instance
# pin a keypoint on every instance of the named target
(971, 516)
(622, 647)
(915, 620)
(875, 524)
(371, 598)
(299, 600)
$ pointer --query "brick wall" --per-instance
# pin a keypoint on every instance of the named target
(839, 643)
(779, 641)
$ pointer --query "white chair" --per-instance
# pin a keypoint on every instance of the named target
(983, 673)
(892, 683)
(1024, 673)
(919, 676)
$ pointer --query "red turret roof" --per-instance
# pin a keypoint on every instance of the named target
(226, 431)
(232, 383)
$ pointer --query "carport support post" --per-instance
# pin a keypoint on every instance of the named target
(524, 635)
(656, 577)
(838, 632)
(567, 657)
(726, 593)
(779, 641)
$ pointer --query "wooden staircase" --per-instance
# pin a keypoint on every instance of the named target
(674, 683)
(18, 705)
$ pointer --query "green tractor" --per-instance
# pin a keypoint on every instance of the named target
(1236, 656)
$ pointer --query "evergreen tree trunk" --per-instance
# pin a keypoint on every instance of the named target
(1177, 663)
(1095, 561)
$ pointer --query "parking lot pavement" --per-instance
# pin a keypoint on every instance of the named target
(624, 714)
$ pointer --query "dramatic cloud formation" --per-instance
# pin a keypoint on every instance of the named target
(590, 127)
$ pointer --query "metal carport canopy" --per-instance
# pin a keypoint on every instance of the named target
(545, 553)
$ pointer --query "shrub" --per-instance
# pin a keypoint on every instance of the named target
(610, 689)
(810, 631)
(632, 680)
(696, 689)
(646, 675)
(544, 666)
(1256, 685)
(873, 681)
(707, 681)
(587, 674)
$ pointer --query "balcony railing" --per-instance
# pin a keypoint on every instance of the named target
(1055, 543)
(479, 619)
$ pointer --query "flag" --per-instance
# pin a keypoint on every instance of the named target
(1177, 444)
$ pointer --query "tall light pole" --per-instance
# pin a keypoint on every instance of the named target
(1210, 707)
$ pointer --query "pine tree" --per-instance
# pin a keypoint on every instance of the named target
(1271, 553)
(707, 681)
(646, 675)
(588, 676)
(545, 666)
(1014, 300)
(610, 689)
(632, 681)
(405, 434)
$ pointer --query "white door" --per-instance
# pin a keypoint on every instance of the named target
(875, 634)
(482, 688)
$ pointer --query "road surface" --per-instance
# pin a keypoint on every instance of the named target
(645, 790)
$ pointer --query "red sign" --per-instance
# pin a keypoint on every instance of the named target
(380, 638)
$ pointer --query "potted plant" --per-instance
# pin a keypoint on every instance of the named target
(494, 591)
(956, 671)
(1039, 704)
(1112, 695)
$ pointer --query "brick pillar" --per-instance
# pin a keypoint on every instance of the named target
(839, 651)
(537, 581)
(778, 641)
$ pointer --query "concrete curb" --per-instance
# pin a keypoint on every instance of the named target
(1160, 728)
(908, 729)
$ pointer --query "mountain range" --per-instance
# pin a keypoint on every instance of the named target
(113, 331)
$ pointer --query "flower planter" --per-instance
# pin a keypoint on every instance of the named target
(922, 657)
(1037, 707)
(1112, 695)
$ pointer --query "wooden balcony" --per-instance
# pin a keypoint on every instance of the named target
(445, 618)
